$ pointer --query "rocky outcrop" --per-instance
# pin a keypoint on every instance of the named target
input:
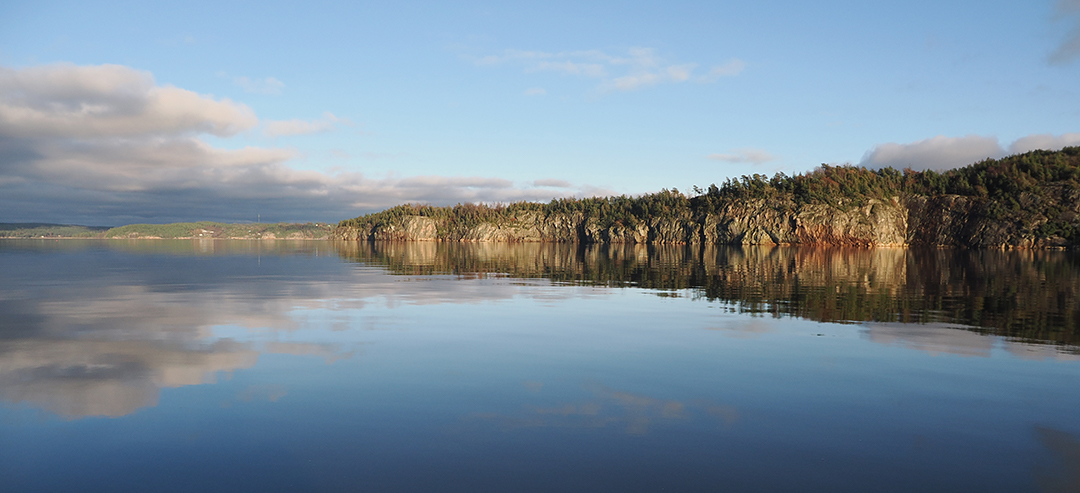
(410, 228)
(946, 220)
(759, 223)
(951, 220)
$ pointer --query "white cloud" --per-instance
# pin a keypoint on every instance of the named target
(379, 194)
(553, 183)
(639, 57)
(942, 153)
(744, 155)
(535, 91)
(594, 70)
(936, 153)
(268, 85)
(158, 164)
(632, 82)
(1069, 49)
(729, 69)
(679, 73)
(510, 55)
(639, 68)
(1046, 142)
(471, 182)
(65, 100)
(281, 128)
(107, 145)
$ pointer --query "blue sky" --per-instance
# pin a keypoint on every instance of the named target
(115, 112)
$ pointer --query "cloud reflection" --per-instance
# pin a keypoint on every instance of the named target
(947, 339)
(93, 333)
(270, 393)
(634, 413)
(328, 352)
(75, 378)
(931, 338)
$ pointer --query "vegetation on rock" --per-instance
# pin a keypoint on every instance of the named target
(1030, 199)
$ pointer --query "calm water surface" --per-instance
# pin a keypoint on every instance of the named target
(316, 366)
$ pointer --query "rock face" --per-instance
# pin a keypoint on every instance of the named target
(952, 220)
(760, 223)
(946, 220)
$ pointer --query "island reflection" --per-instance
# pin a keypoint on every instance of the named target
(1026, 296)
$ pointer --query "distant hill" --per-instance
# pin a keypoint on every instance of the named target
(46, 230)
(203, 229)
(1029, 200)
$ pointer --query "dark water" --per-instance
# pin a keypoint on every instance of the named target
(314, 366)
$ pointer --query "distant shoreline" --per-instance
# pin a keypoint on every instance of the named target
(171, 231)
(155, 238)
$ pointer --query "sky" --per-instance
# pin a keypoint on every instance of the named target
(151, 112)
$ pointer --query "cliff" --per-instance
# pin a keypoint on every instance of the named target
(752, 223)
(1030, 200)
(939, 221)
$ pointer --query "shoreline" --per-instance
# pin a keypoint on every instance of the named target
(581, 243)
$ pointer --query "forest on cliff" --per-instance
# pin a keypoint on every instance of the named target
(1034, 194)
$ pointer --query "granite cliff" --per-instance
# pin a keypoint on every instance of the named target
(1025, 201)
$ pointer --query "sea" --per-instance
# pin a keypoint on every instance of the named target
(214, 365)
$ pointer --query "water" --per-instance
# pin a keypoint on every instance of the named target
(318, 366)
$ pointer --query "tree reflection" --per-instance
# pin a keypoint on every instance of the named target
(1029, 296)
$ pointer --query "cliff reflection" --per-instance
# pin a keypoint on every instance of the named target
(1028, 296)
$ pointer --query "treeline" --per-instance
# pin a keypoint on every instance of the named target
(1004, 180)
(624, 210)
(1043, 179)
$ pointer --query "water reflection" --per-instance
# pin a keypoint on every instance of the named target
(633, 413)
(75, 378)
(1028, 296)
(1062, 475)
(429, 365)
(93, 328)
(80, 349)
(99, 328)
(937, 338)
